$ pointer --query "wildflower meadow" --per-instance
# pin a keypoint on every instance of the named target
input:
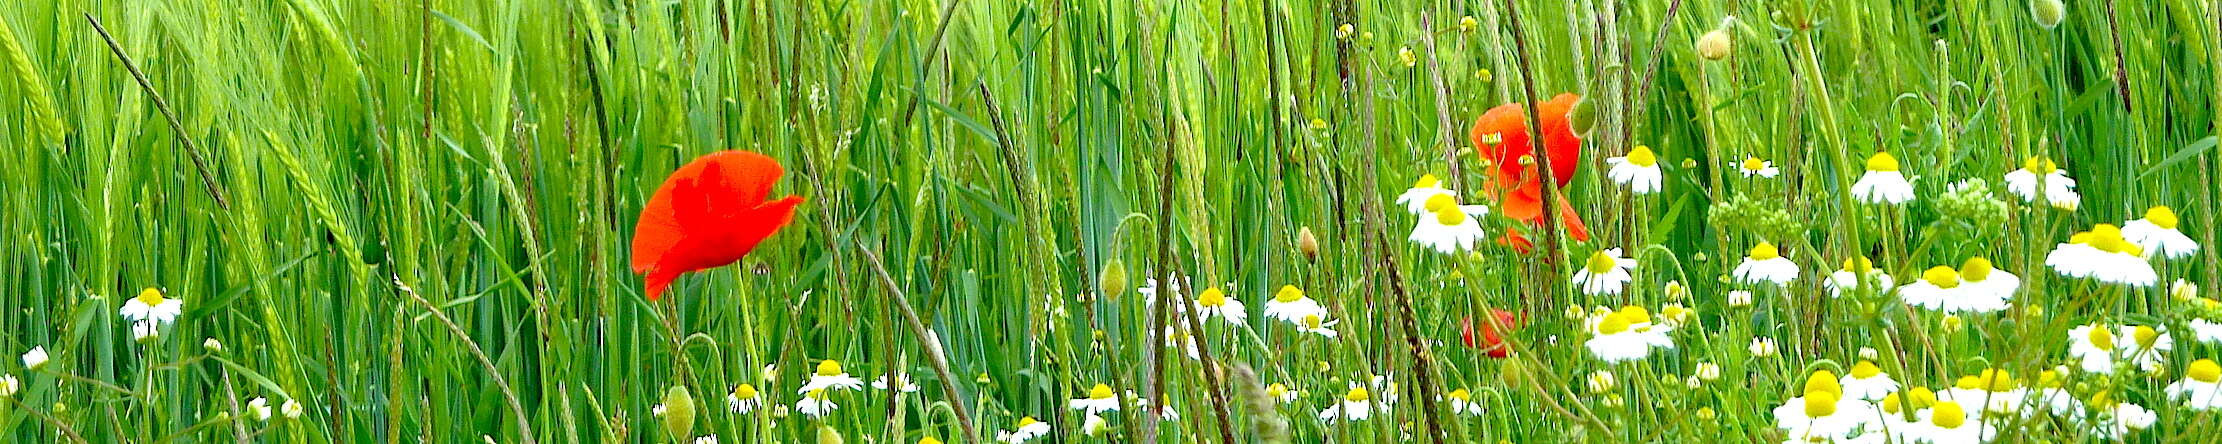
(1145, 221)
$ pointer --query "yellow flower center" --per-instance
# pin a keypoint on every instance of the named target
(1820, 404)
(1997, 380)
(1764, 251)
(745, 391)
(1357, 394)
(2146, 335)
(2162, 216)
(1600, 263)
(1311, 321)
(1642, 156)
(2103, 400)
(1026, 421)
(1635, 315)
(1754, 164)
(2101, 337)
(1439, 201)
(1212, 298)
(1942, 277)
(1612, 324)
(1276, 390)
(1288, 293)
(929, 440)
(1976, 269)
(2039, 165)
(2108, 238)
(1865, 369)
(1100, 392)
(1859, 264)
(2205, 370)
(1674, 312)
(2049, 378)
(1921, 397)
(1461, 394)
(150, 296)
(829, 367)
(1450, 215)
(1427, 181)
(1948, 415)
(1822, 381)
(1882, 162)
(1892, 403)
(819, 394)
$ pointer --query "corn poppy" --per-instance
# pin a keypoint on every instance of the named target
(1501, 137)
(1492, 341)
(709, 213)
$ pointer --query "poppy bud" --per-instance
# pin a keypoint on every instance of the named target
(1113, 279)
(2048, 13)
(826, 435)
(1582, 117)
(1514, 374)
(1717, 44)
(1306, 243)
(678, 415)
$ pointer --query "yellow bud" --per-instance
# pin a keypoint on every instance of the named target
(1948, 414)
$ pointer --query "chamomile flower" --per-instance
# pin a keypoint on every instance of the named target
(1449, 227)
(2116, 419)
(1100, 399)
(291, 409)
(2158, 235)
(1995, 390)
(1985, 286)
(816, 403)
(2201, 387)
(2038, 173)
(2147, 349)
(829, 375)
(2207, 331)
(1883, 184)
(706, 439)
(1766, 264)
(35, 358)
(151, 306)
(1625, 335)
(1315, 325)
(1949, 422)
(9, 385)
(1855, 270)
(1214, 303)
(1094, 425)
(1762, 347)
(1416, 198)
(1290, 304)
(1739, 298)
(1356, 405)
(1639, 170)
(2103, 254)
(1754, 166)
(1280, 393)
(1937, 289)
(144, 331)
(1866, 382)
(1027, 428)
(259, 409)
(902, 382)
(1604, 273)
(1976, 287)
(2093, 346)
(1822, 416)
(743, 399)
(1462, 402)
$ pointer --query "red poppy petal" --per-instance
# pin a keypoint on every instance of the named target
(708, 213)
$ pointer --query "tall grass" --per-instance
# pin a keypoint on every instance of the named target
(430, 208)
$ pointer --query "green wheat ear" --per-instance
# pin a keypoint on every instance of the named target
(34, 86)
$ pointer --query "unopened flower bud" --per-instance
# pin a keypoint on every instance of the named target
(1716, 44)
(1113, 279)
(1307, 243)
(678, 412)
(2048, 13)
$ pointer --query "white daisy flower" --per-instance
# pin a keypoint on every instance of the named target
(1449, 227)
(259, 409)
(9, 385)
(1625, 335)
(1315, 325)
(1027, 428)
(2093, 345)
(1094, 425)
(1462, 403)
(2201, 387)
(1100, 399)
(2207, 331)
(1604, 273)
(1707, 371)
(2116, 419)
(1754, 166)
(706, 439)
(292, 409)
(816, 404)
(1766, 264)
(743, 399)
(830, 376)
(1994, 390)
(1639, 170)
(144, 331)
(1762, 347)
(2157, 234)
(35, 358)
(1883, 184)
(1820, 416)
(1356, 405)
(2147, 349)
(2182, 289)
(1855, 270)
(2039, 172)
(1280, 393)
(1986, 288)
(1937, 289)
(1214, 303)
(1149, 290)
(1416, 198)
(151, 306)
(1290, 304)
(2103, 254)
(1866, 382)
(902, 382)
(1949, 422)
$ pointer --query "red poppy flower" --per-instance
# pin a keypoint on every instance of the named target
(1501, 136)
(1492, 341)
(709, 213)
